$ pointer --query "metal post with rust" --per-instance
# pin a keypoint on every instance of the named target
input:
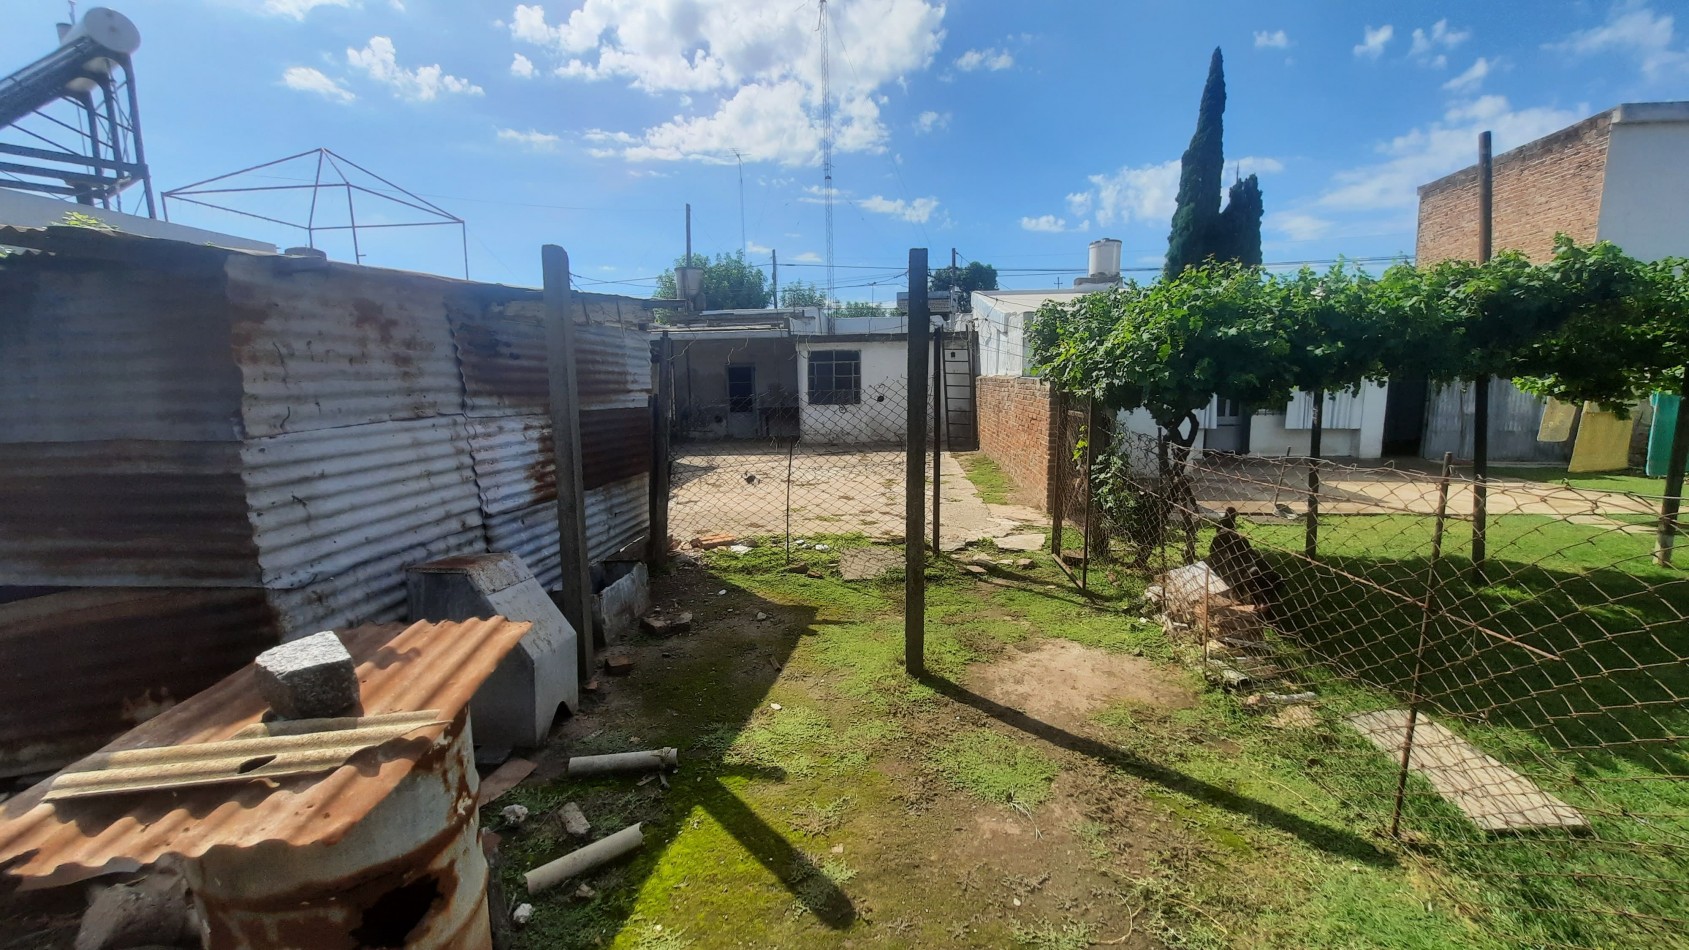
(1311, 544)
(1090, 507)
(657, 551)
(1426, 608)
(914, 512)
(1055, 471)
(937, 426)
(1481, 393)
(566, 453)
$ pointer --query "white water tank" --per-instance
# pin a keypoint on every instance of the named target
(109, 30)
(1105, 258)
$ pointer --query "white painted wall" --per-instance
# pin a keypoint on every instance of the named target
(881, 415)
(1645, 194)
(1269, 435)
(1000, 317)
(24, 210)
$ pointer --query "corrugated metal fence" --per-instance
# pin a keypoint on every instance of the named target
(177, 418)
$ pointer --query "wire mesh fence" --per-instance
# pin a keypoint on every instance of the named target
(789, 440)
(1520, 723)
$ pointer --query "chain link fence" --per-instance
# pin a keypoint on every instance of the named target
(782, 439)
(1520, 723)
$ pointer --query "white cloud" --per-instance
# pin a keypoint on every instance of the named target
(1429, 152)
(915, 212)
(306, 79)
(531, 139)
(296, 9)
(990, 58)
(1298, 226)
(1635, 31)
(1469, 81)
(397, 5)
(1442, 37)
(1277, 39)
(1050, 224)
(522, 66)
(379, 59)
(753, 69)
(1148, 192)
(932, 121)
(808, 257)
(1374, 40)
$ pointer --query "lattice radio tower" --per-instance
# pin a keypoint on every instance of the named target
(826, 146)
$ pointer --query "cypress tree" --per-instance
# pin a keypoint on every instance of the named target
(1200, 168)
(1237, 232)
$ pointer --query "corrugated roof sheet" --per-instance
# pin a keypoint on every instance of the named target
(78, 667)
(327, 348)
(514, 463)
(423, 666)
(617, 515)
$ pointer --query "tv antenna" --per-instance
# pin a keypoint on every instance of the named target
(826, 146)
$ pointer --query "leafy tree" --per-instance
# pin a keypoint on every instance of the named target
(1198, 205)
(1200, 229)
(800, 294)
(860, 308)
(730, 282)
(965, 280)
(1237, 232)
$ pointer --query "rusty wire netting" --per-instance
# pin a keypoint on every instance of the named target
(1520, 722)
(788, 441)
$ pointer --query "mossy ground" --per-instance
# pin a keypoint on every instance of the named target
(875, 809)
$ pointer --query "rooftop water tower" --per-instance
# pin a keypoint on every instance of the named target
(70, 122)
(1105, 266)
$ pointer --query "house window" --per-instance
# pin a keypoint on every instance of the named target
(835, 377)
(741, 388)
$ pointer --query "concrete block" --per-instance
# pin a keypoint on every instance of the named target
(309, 678)
(626, 597)
(517, 705)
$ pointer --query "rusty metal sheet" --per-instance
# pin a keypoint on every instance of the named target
(502, 356)
(617, 515)
(326, 501)
(514, 464)
(338, 346)
(613, 366)
(79, 667)
(124, 514)
(400, 669)
(615, 444)
(532, 534)
(95, 350)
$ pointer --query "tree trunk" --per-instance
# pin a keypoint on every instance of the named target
(1678, 459)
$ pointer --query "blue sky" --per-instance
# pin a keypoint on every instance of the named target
(1014, 132)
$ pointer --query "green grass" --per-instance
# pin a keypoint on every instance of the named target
(994, 767)
(1630, 480)
(994, 485)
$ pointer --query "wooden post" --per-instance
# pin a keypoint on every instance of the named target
(566, 453)
(1055, 471)
(657, 551)
(1424, 637)
(914, 512)
(1090, 490)
(937, 426)
(1311, 544)
(1676, 461)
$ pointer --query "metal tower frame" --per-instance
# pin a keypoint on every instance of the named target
(329, 175)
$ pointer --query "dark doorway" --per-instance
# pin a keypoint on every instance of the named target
(1404, 415)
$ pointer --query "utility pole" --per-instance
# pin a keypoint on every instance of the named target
(744, 245)
(776, 253)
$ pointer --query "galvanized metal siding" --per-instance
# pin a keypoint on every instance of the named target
(80, 667)
(386, 494)
(532, 534)
(615, 445)
(515, 466)
(501, 352)
(339, 346)
(1514, 420)
(97, 350)
(124, 514)
(617, 515)
(614, 367)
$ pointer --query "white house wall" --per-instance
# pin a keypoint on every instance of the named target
(1645, 193)
(881, 416)
(1354, 426)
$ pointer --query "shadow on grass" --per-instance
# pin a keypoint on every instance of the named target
(1335, 841)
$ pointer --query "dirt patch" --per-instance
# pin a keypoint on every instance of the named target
(1064, 683)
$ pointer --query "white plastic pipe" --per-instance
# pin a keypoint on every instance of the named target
(650, 760)
(584, 859)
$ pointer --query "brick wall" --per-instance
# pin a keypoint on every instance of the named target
(1014, 431)
(1550, 185)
